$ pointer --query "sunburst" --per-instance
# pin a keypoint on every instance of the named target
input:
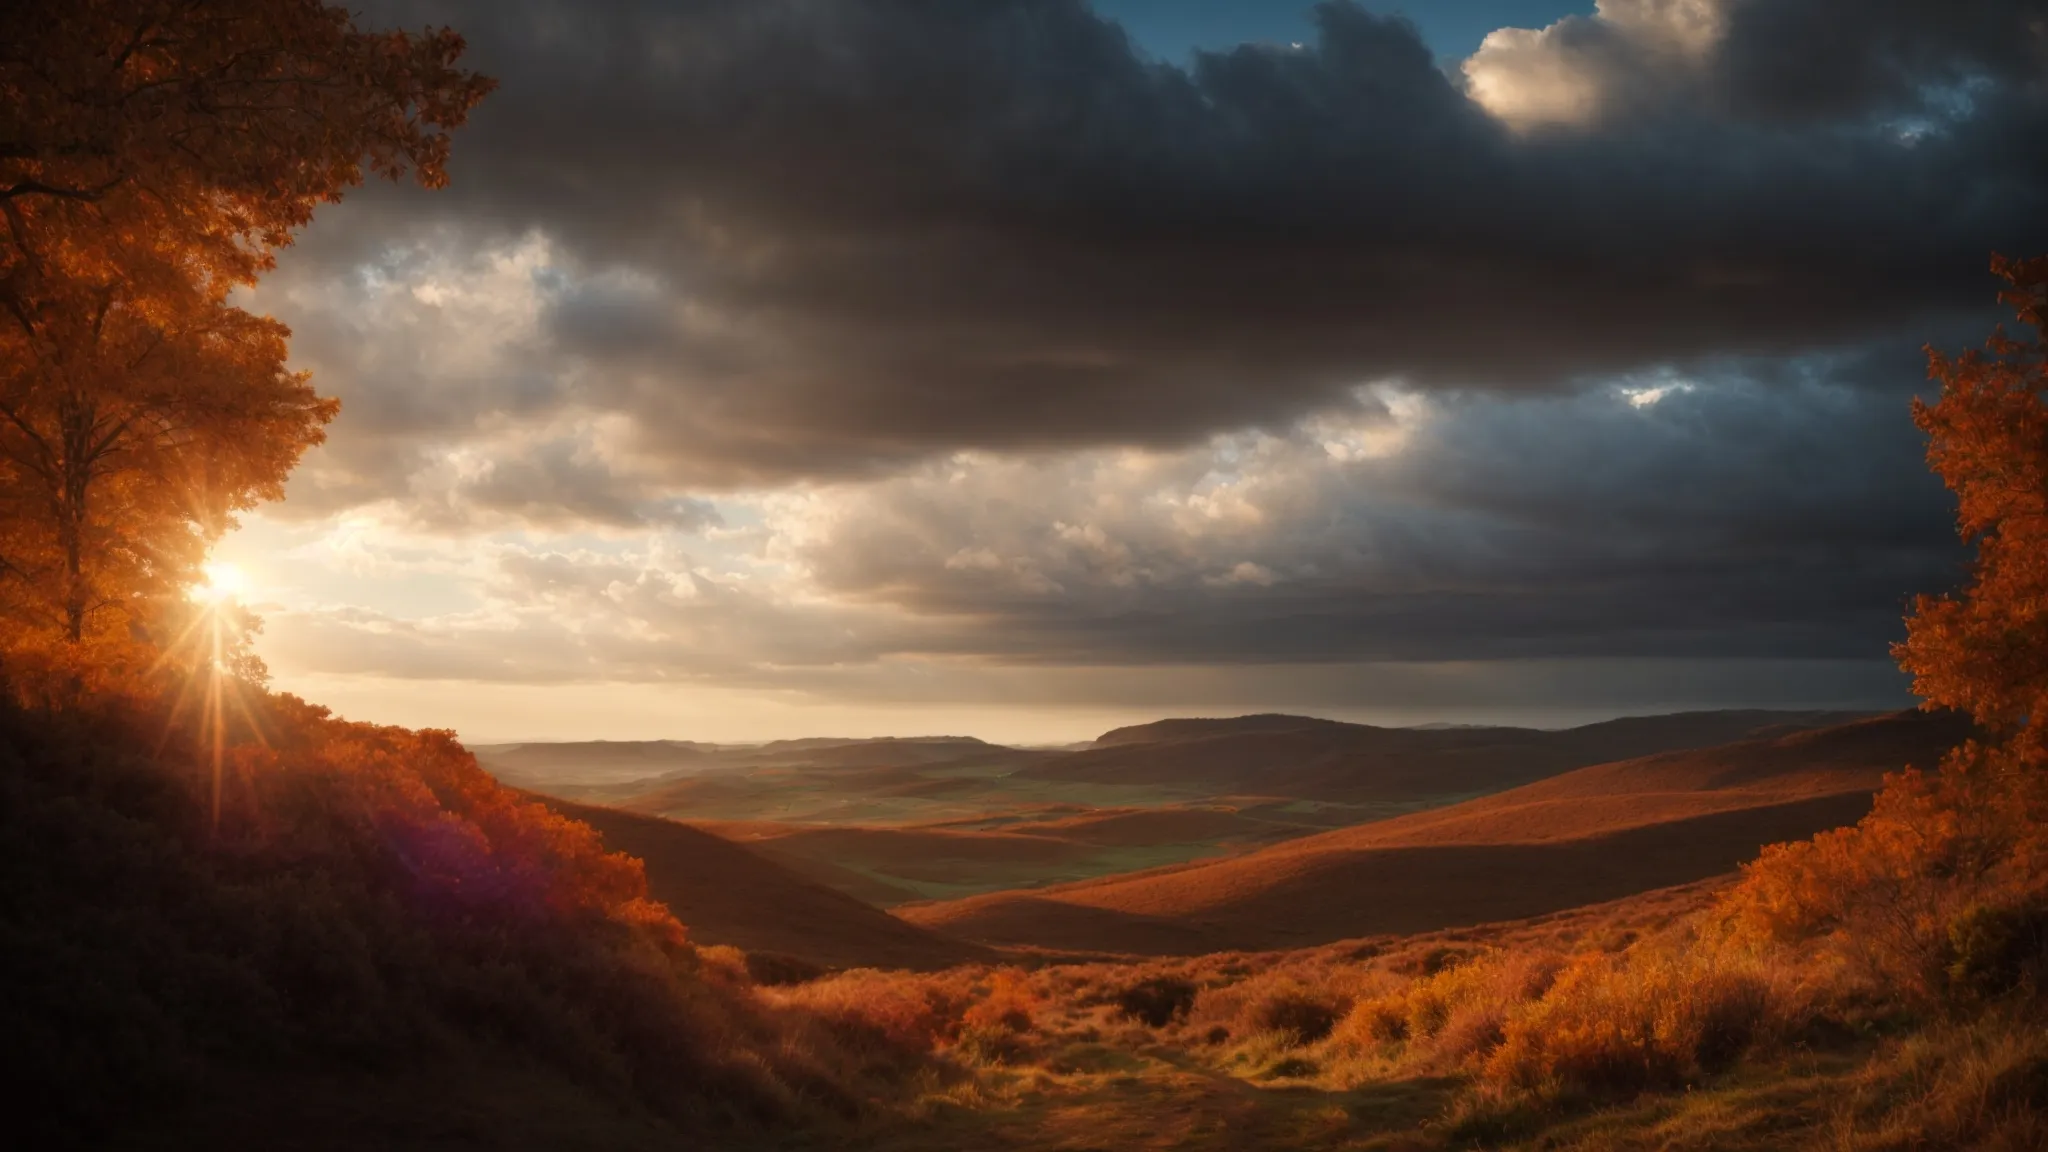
(205, 647)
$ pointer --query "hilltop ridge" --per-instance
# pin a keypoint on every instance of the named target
(1593, 834)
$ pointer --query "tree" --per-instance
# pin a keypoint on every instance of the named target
(1941, 893)
(154, 154)
(1986, 651)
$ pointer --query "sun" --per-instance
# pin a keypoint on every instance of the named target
(224, 583)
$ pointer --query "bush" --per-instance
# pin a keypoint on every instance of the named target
(1008, 1005)
(1157, 1001)
(1618, 1026)
(878, 1014)
(1301, 1013)
(1461, 1010)
(1941, 872)
(1996, 951)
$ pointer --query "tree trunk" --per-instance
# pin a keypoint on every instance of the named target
(76, 479)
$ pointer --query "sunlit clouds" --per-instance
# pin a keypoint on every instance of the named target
(998, 369)
(1574, 71)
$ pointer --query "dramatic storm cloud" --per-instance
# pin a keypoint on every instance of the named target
(761, 339)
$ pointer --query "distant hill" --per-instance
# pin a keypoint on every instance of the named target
(725, 894)
(890, 865)
(1594, 834)
(1329, 760)
(569, 765)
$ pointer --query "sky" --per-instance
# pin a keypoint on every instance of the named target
(1024, 368)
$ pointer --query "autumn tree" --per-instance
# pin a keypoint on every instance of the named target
(1986, 651)
(154, 154)
(1941, 893)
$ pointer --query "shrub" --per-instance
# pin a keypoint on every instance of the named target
(1377, 1021)
(1009, 1005)
(1461, 1010)
(1959, 851)
(1306, 1015)
(1157, 1001)
(877, 1013)
(1996, 950)
(1618, 1026)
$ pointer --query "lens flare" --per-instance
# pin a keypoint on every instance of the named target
(224, 582)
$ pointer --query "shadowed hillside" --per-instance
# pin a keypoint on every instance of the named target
(368, 942)
(1595, 834)
(730, 895)
(887, 866)
(642, 766)
(1327, 760)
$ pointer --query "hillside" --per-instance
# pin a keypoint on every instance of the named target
(1327, 760)
(727, 894)
(1594, 834)
(891, 865)
(636, 766)
(368, 942)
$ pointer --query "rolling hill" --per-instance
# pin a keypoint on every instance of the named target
(641, 765)
(1328, 760)
(727, 894)
(890, 865)
(1589, 835)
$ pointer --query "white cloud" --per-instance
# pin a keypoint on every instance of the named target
(1576, 71)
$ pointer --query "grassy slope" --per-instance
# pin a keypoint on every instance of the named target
(890, 865)
(729, 895)
(1594, 834)
(1088, 1078)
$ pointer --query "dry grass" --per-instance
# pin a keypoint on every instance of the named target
(1978, 1085)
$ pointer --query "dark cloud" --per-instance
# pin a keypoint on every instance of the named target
(1712, 517)
(1283, 376)
(1707, 539)
(1831, 59)
(860, 232)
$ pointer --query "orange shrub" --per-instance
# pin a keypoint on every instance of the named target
(1461, 1011)
(873, 1011)
(1896, 896)
(1619, 1025)
(1008, 1007)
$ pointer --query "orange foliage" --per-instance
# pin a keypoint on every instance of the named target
(1940, 892)
(1008, 1006)
(1986, 652)
(155, 154)
(1647, 1020)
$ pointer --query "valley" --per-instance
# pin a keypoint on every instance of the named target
(1186, 837)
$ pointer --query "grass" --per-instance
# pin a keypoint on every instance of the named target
(378, 945)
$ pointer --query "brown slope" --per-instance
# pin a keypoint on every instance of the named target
(726, 894)
(1142, 827)
(1329, 760)
(1599, 833)
(914, 853)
